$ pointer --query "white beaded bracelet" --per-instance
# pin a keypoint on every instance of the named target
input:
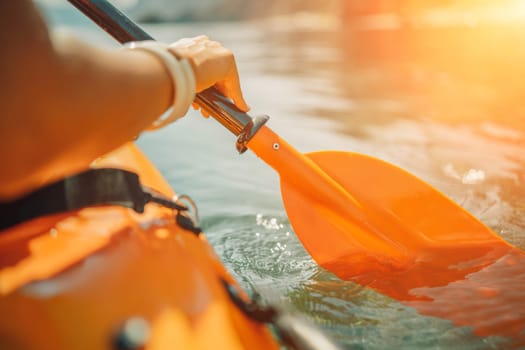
(182, 77)
(190, 80)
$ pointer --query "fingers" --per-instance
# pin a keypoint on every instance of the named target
(234, 91)
(203, 112)
(231, 87)
(234, 94)
(187, 43)
(212, 65)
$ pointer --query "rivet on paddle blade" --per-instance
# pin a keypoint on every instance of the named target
(134, 334)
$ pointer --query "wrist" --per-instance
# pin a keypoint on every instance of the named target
(182, 77)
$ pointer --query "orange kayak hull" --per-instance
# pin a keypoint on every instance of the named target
(74, 280)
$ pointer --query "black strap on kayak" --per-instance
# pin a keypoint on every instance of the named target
(296, 333)
(104, 186)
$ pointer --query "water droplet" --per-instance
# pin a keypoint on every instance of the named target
(162, 233)
(473, 176)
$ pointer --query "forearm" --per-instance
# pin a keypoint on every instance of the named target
(69, 103)
(116, 94)
(65, 103)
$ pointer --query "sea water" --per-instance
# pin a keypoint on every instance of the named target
(388, 94)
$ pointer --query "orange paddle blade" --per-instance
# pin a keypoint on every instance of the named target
(371, 222)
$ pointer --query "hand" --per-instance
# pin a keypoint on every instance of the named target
(213, 65)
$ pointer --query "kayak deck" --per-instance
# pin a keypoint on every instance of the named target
(73, 280)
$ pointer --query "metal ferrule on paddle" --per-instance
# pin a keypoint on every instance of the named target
(225, 112)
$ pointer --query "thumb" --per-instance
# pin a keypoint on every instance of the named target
(233, 91)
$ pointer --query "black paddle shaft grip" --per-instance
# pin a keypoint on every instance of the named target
(123, 29)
